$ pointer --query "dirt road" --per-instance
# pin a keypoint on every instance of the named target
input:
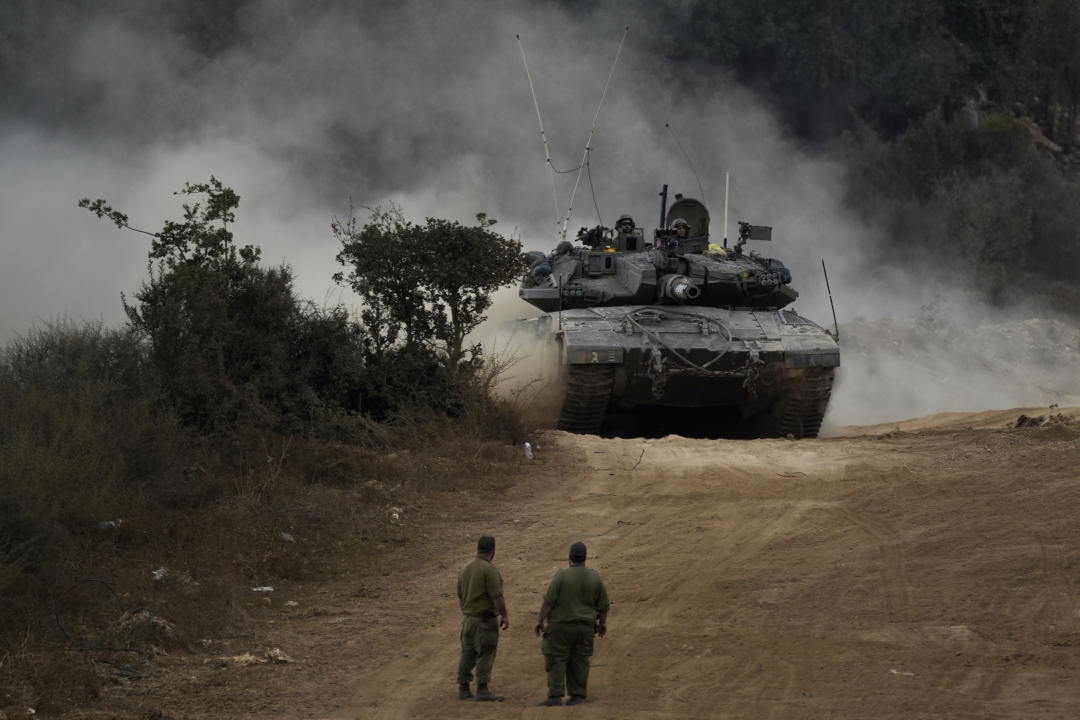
(925, 570)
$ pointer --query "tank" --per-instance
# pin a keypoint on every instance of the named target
(676, 323)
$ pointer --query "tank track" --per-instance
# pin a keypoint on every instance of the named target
(588, 390)
(800, 413)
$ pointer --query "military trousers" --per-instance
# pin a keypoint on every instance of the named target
(479, 641)
(567, 648)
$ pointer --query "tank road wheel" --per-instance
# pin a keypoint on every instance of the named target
(588, 390)
(799, 411)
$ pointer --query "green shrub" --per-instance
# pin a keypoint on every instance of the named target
(83, 437)
(229, 341)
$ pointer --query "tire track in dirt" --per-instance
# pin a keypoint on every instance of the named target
(711, 505)
(894, 583)
(704, 650)
(1062, 606)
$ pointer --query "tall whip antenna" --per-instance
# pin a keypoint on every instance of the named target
(588, 143)
(688, 161)
(836, 326)
(727, 187)
(543, 137)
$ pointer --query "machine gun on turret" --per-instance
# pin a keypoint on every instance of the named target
(751, 232)
(596, 237)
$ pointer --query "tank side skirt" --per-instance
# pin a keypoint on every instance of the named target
(800, 412)
(588, 391)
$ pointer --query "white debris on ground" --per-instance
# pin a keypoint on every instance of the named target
(277, 656)
(272, 655)
(240, 660)
(146, 625)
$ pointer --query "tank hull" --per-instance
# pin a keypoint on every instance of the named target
(774, 366)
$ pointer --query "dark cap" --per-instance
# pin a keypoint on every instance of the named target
(485, 544)
(577, 552)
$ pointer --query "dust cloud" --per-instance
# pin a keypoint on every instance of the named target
(307, 112)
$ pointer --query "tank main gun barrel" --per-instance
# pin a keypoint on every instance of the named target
(679, 287)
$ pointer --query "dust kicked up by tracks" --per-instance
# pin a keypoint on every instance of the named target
(926, 569)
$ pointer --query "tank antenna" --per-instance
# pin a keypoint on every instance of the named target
(588, 143)
(543, 136)
(836, 326)
(689, 162)
(663, 207)
(727, 186)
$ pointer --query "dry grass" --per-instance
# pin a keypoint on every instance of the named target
(123, 534)
(293, 510)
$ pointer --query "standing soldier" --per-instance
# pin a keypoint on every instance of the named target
(480, 595)
(576, 607)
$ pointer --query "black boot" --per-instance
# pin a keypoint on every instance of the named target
(551, 702)
(575, 700)
(485, 695)
(464, 693)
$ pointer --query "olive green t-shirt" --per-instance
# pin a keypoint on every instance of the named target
(478, 584)
(576, 594)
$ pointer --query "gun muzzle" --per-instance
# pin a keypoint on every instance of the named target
(679, 287)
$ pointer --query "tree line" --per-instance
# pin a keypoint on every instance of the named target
(957, 121)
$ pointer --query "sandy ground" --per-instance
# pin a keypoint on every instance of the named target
(926, 569)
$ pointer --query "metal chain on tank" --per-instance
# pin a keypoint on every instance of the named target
(750, 371)
(658, 369)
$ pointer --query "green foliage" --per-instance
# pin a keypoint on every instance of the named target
(228, 338)
(989, 225)
(81, 437)
(1053, 67)
(108, 438)
(326, 357)
(937, 148)
(831, 64)
(826, 63)
(980, 201)
(197, 240)
(426, 286)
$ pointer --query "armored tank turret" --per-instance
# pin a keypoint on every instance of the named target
(675, 321)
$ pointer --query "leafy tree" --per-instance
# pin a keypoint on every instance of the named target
(228, 337)
(1054, 67)
(425, 286)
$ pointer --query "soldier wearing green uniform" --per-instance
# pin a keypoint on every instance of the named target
(576, 607)
(480, 596)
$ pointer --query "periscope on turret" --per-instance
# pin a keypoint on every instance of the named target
(674, 320)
